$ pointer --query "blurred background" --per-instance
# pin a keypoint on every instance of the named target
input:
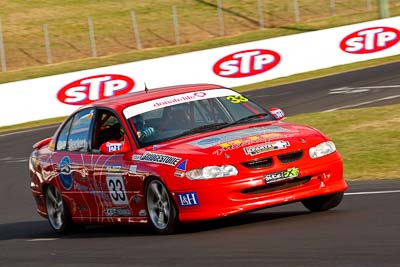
(40, 32)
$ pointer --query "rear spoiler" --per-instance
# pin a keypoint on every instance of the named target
(42, 143)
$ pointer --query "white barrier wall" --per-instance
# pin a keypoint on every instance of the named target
(229, 66)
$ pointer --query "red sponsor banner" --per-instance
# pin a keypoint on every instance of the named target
(370, 40)
(93, 88)
(246, 63)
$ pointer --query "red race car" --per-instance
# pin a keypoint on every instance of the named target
(179, 154)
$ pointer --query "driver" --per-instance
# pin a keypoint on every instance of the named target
(142, 130)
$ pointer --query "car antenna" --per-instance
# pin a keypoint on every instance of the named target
(145, 87)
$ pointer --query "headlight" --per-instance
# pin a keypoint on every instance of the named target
(322, 149)
(210, 172)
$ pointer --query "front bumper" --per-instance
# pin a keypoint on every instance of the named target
(252, 193)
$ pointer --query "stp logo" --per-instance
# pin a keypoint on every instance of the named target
(246, 63)
(87, 90)
(370, 40)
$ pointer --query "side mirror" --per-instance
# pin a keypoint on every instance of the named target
(277, 113)
(115, 147)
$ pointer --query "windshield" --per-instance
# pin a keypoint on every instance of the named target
(173, 117)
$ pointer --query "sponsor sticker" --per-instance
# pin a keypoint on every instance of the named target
(179, 99)
(136, 157)
(277, 113)
(116, 189)
(133, 168)
(113, 168)
(281, 176)
(241, 136)
(113, 147)
(237, 99)
(188, 199)
(134, 110)
(181, 169)
(246, 63)
(370, 40)
(65, 173)
(117, 212)
(179, 174)
(160, 158)
(238, 143)
(89, 89)
(182, 166)
(208, 142)
(266, 147)
(79, 187)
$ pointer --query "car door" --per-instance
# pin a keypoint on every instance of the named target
(73, 163)
(115, 181)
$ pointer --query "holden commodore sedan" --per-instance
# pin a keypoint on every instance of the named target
(179, 154)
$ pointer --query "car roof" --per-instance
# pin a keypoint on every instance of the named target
(122, 101)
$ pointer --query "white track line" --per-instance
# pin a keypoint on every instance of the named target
(41, 239)
(28, 131)
(372, 192)
(362, 89)
(378, 87)
(363, 103)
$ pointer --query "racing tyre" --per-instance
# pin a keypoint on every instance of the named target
(324, 202)
(57, 211)
(160, 207)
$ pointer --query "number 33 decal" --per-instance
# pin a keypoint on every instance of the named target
(117, 190)
(236, 99)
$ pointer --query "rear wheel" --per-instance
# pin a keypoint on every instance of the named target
(324, 202)
(57, 212)
(160, 207)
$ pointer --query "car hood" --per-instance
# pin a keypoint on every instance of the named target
(241, 144)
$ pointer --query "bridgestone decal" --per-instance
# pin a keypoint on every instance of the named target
(160, 158)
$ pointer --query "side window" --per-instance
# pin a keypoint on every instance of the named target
(79, 133)
(107, 128)
(63, 137)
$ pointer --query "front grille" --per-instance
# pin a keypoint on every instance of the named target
(277, 186)
(290, 157)
(258, 163)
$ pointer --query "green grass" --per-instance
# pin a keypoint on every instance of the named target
(22, 23)
(368, 139)
(31, 124)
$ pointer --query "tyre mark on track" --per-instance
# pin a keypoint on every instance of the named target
(363, 103)
(28, 131)
(372, 192)
(13, 160)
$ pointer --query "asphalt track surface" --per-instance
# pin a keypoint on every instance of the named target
(363, 231)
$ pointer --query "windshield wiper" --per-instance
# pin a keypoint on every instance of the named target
(200, 129)
(247, 119)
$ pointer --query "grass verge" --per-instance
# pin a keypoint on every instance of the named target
(367, 138)
(137, 55)
(31, 124)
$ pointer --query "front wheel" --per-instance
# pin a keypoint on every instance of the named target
(160, 207)
(324, 202)
(57, 212)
